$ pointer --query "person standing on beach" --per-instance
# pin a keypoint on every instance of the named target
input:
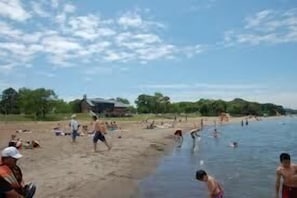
(242, 123)
(214, 188)
(287, 171)
(74, 126)
(99, 130)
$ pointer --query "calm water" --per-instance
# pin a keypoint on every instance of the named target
(247, 171)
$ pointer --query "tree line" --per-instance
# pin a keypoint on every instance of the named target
(40, 102)
(158, 103)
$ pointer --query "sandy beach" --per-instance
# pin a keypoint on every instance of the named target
(64, 169)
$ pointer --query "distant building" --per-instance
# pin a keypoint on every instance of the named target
(109, 108)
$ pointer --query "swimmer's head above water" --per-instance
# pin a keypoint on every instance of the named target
(234, 144)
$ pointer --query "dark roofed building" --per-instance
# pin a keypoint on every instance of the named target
(103, 106)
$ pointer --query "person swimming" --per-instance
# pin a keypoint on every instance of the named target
(233, 144)
(215, 133)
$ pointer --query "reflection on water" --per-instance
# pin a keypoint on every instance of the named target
(247, 171)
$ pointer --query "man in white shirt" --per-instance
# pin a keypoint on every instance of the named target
(74, 125)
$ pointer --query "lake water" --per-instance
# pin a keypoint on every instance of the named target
(247, 171)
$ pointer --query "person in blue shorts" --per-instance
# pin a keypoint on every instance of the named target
(99, 131)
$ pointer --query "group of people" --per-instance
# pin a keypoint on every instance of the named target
(99, 130)
(111, 126)
(19, 144)
(286, 171)
(11, 180)
(246, 122)
(178, 134)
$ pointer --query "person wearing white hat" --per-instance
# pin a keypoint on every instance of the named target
(11, 177)
(74, 126)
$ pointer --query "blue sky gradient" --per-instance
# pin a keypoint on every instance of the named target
(187, 49)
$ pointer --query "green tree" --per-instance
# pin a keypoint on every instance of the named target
(122, 100)
(9, 101)
(161, 103)
(60, 106)
(144, 103)
(38, 102)
(75, 106)
(204, 109)
(132, 109)
(153, 104)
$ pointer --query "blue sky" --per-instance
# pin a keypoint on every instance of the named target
(188, 49)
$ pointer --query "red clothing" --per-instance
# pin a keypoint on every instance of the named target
(289, 192)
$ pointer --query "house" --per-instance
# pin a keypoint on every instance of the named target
(103, 106)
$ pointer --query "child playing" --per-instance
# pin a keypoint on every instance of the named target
(214, 188)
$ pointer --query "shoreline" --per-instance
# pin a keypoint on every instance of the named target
(62, 169)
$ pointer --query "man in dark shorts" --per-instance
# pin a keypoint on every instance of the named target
(99, 130)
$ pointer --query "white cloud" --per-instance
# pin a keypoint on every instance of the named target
(8, 32)
(88, 27)
(267, 26)
(156, 52)
(14, 10)
(164, 86)
(7, 68)
(59, 45)
(191, 51)
(205, 86)
(55, 3)
(229, 86)
(62, 38)
(61, 18)
(201, 5)
(258, 18)
(17, 50)
(133, 41)
(95, 71)
(32, 37)
(130, 19)
(45, 74)
(69, 8)
(38, 9)
(133, 19)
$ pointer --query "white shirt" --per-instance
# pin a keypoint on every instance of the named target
(73, 125)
